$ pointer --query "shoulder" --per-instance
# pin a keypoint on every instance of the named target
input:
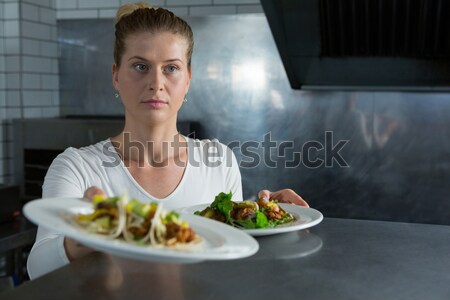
(94, 150)
(89, 153)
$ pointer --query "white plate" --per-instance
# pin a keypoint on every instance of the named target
(220, 241)
(305, 217)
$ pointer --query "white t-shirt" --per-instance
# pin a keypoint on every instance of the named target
(212, 169)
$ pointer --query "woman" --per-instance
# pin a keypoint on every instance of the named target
(151, 74)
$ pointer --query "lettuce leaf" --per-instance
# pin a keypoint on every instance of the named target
(246, 224)
(261, 220)
(223, 204)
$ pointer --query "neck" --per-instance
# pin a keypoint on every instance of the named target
(150, 144)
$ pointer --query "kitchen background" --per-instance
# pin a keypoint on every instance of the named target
(55, 61)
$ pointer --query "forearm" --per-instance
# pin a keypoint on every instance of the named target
(75, 250)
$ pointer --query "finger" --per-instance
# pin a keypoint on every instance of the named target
(264, 194)
(289, 196)
(92, 191)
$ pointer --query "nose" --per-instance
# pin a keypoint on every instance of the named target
(155, 80)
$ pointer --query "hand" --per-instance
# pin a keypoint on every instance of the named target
(74, 249)
(92, 191)
(283, 196)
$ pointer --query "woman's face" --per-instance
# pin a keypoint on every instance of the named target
(153, 77)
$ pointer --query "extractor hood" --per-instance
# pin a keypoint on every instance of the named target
(363, 44)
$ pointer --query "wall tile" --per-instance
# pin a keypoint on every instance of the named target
(212, 10)
(48, 49)
(47, 15)
(188, 2)
(32, 112)
(50, 112)
(2, 103)
(45, 3)
(66, 4)
(107, 13)
(12, 63)
(13, 99)
(55, 98)
(36, 98)
(179, 10)
(30, 46)
(13, 112)
(31, 81)
(2, 80)
(11, 45)
(11, 28)
(30, 12)
(54, 64)
(36, 30)
(2, 43)
(157, 3)
(11, 11)
(54, 33)
(50, 82)
(236, 2)
(250, 9)
(98, 3)
(36, 64)
(77, 14)
(13, 81)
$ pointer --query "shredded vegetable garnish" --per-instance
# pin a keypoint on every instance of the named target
(137, 222)
(247, 214)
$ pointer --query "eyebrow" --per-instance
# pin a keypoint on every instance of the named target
(167, 60)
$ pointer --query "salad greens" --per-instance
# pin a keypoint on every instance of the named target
(246, 214)
(222, 203)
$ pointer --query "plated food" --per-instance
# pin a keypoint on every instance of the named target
(247, 214)
(137, 222)
(217, 241)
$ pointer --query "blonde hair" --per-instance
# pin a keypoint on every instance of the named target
(141, 17)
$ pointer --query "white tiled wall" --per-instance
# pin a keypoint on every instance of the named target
(3, 91)
(85, 9)
(29, 82)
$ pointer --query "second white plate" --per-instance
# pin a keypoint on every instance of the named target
(305, 217)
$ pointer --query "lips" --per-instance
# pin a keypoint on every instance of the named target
(154, 103)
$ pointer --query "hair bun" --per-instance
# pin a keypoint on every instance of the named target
(129, 8)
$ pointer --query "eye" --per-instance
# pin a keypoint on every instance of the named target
(171, 69)
(140, 67)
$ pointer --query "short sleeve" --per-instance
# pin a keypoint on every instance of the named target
(233, 180)
(64, 177)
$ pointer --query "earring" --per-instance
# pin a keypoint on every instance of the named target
(185, 100)
(117, 95)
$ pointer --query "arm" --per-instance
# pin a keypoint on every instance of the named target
(63, 179)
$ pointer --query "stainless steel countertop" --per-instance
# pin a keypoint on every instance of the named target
(337, 259)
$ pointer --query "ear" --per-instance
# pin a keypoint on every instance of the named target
(115, 76)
